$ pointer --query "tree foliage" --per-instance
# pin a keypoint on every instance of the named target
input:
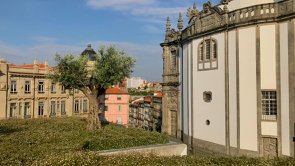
(110, 67)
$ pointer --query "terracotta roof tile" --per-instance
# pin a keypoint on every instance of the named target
(115, 90)
(148, 99)
(27, 65)
(159, 95)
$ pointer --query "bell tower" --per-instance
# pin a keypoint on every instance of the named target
(171, 84)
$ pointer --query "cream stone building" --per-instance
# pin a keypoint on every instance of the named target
(229, 80)
(25, 92)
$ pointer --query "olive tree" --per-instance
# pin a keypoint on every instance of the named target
(92, 78)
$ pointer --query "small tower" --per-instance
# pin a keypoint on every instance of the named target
(89, 53)
(180, 23)
(35, 62)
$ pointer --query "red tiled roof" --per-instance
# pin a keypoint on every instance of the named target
(27, 65)
(159, 95)
(115, 90)
(148, 99)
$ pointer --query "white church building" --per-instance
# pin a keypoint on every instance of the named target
(229, 78)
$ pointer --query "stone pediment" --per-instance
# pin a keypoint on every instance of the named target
(209, 18)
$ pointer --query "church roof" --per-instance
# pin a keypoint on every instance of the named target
(89, 53)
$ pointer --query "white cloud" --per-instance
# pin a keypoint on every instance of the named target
(118, 4)
(148, 57)
(136, 7)
(158, 11)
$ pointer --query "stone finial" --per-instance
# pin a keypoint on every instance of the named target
(195, 6)
(191, 12)
(2, 60)
(180, 23)
(168, 24)
(46, 62)
(88, 45)
(35, 61)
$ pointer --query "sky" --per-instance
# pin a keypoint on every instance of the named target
(39, 29)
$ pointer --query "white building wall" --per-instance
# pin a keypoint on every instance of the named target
(134, 82)
(189, 85)
(284, 89)
(248, 89)
(185, 90)
(238, 4)
(268, 57)
(180, 88)
(214, 81)
(233, 122)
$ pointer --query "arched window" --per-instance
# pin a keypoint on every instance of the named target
(207, 54)
(173, 59)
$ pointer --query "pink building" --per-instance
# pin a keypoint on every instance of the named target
(116, 106)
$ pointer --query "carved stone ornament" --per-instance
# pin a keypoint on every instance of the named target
(207, 96)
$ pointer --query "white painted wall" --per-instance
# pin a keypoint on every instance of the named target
(214, 81)
(180, 87)
(284, 88)
(268, 56)
(232, 87)
(269, 128)
(238, 4)
(185, 90)
(189, 85)
(248, 88)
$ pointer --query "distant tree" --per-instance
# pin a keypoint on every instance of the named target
(110, 67)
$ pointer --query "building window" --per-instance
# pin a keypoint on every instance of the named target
(119, 97)
(63, 89)
(214, 50)
(76, 106)
(119, 107)
(106, 97)
(63, 107)
(85, 106)
(13, 87)
(40, 108)
(201, 53)
(207, 54)
(27, 111)
(41, 87)
(119, 120)
(12, 112)
(208, 49)
(269, 105)
(52, 108)
(173, 59)
(106, 108)
(53, 88)
(57, 106)
(27, 87)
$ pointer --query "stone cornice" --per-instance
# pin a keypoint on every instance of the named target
(214, 19)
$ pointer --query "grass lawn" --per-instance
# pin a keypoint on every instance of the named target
(89, 158)
(24, 141)
(65, 141)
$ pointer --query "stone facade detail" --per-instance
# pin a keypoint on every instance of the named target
(211, 116)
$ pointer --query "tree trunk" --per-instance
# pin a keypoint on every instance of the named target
(94, 109)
